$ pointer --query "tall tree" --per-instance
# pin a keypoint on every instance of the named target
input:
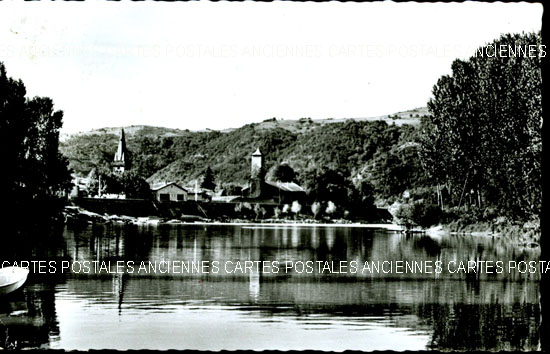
(484, 133)
(34, 172)
(208, 179)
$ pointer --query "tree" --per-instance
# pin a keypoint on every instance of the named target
(328, 184)
(315, 208)
(208, 179)
(296, 207)
(238, 208)
(232, 189)
(133, 185)
(357, 198)
(360, 200)
(93, 185)
(419, 213)
(257, 210)
(286, 209)
(331, 208)
(396, 170)
(484, 131)
(283, 173)
(34, 173)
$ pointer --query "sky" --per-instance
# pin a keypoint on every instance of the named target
(198, 65)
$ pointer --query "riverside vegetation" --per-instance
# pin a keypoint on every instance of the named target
(473, 157)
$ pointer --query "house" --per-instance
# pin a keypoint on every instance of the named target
(170, 192)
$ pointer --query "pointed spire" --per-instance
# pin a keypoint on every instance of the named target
(121, 150)
(257, 152)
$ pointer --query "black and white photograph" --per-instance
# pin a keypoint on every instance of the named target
(272, 176)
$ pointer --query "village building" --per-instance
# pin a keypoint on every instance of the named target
(269, 192)
(174, 192)
(170, 192)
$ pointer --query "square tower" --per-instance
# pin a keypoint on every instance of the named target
(257, 174)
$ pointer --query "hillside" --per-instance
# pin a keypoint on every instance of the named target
(162, 154)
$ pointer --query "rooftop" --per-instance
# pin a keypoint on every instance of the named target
(286, 186)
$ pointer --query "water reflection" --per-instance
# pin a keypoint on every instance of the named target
(256, 310)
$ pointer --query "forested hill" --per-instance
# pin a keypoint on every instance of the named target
(162, 154)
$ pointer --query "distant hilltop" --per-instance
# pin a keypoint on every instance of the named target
(130, 131)
(411, 116)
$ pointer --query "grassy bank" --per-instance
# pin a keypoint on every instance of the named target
(524, 234)
(466, 220)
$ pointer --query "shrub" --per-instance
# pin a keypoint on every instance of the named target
(420, 213)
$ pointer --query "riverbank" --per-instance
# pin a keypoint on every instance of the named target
(524, 234)
(272, 224)
(76, 215)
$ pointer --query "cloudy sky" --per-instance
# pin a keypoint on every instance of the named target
(204, 65)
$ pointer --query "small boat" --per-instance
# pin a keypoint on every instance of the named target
(12, 278)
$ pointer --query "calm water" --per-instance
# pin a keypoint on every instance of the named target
(255, 310)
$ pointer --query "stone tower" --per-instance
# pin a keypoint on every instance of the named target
(257, 174)
(121, 161)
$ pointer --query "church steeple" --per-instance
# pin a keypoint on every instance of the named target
(120, 162)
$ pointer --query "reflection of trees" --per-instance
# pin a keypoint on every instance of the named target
(28, 315)
(483, 326)
(34, 321)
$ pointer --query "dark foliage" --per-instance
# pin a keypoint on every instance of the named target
(208, 179)
(483, 140)
(283, 173)
(129, 183)
(35, 174)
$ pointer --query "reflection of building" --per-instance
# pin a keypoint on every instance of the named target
(262, 191)
(121, 161)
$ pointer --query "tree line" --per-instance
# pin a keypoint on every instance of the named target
(482, 145)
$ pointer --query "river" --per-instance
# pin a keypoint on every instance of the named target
(334, 304)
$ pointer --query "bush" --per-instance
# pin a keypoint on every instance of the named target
(420, 213)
